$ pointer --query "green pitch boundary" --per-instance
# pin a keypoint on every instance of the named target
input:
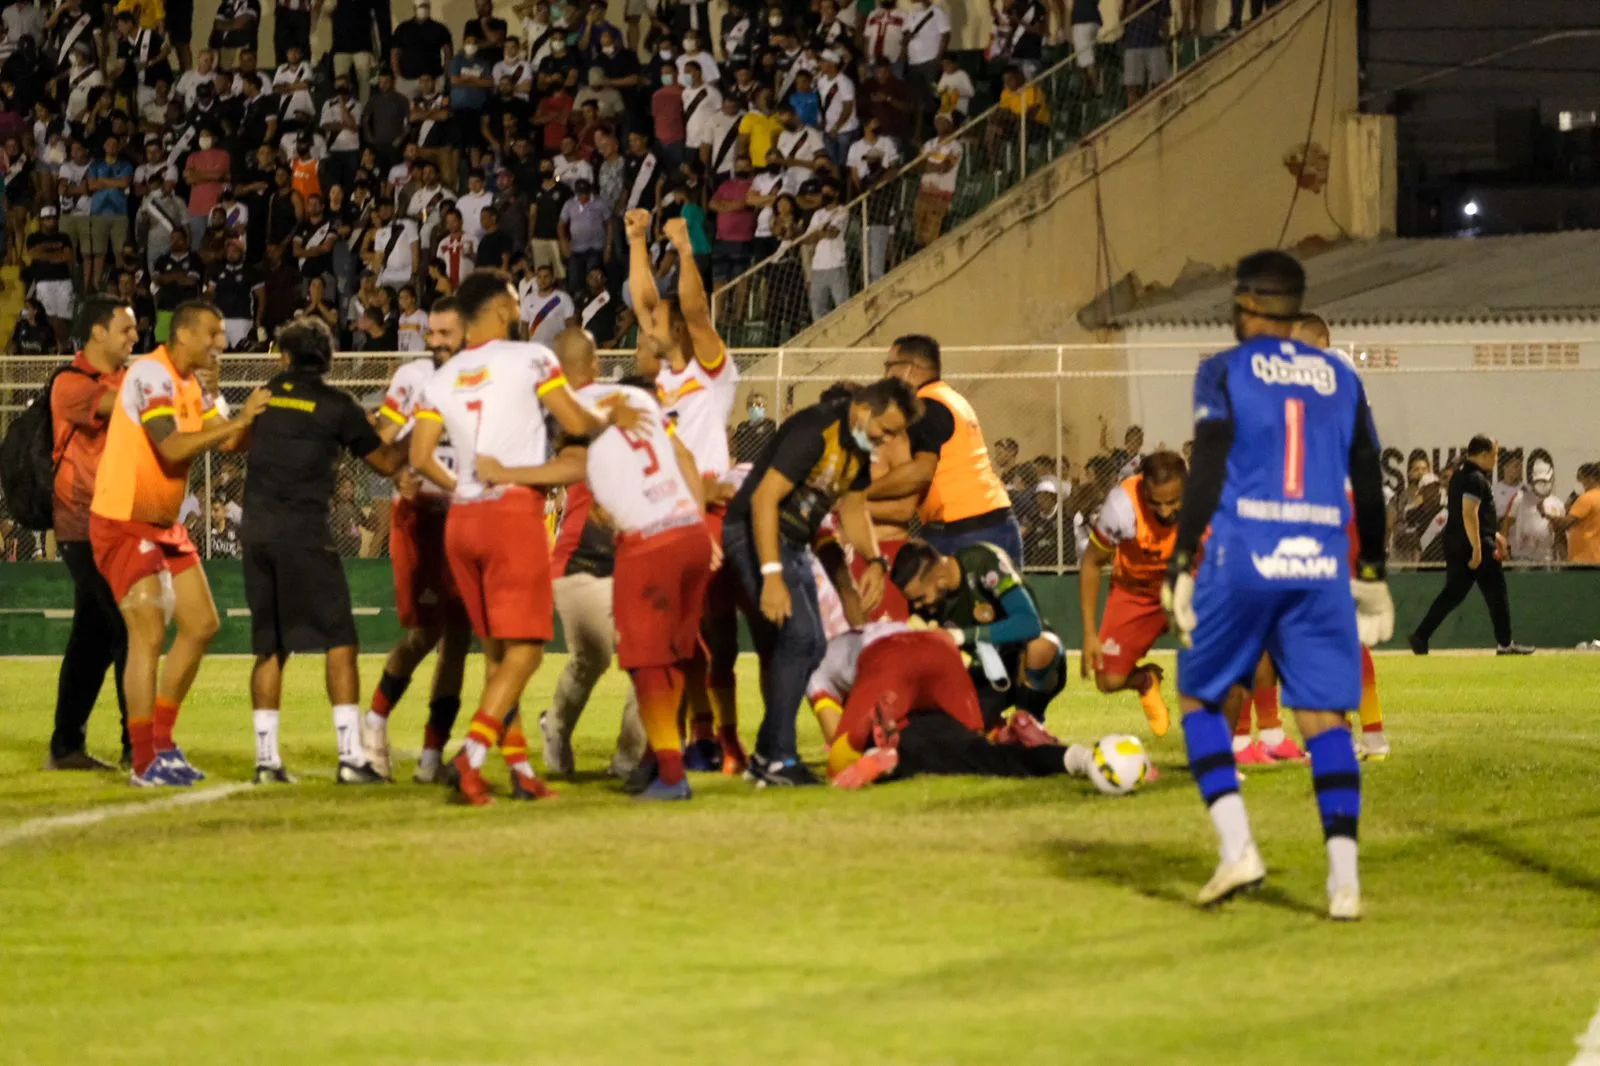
(1551, 608)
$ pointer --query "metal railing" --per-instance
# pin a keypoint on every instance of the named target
(1057, 419)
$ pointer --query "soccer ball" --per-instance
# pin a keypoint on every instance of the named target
(1120, 765)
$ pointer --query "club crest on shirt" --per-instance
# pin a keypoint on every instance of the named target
(983, 613)
(471, 379)
(991, 580)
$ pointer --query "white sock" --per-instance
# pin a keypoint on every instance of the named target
(524, 768)
(267, 738)
(429, 759)
(1342, 863)
(1233, 826)
(1273, 737)
(476, 753)
(1078, 759)
(347, 726)
(376, 722)
(1240, 742)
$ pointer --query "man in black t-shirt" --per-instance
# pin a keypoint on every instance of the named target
(178, 276)
(314, 241)
(294, 582)
(49, 270)
(1473, 548)
(418, 46)
(236, 290)
(819, 461)
(494, 250)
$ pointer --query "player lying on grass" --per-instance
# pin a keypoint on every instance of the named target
(1135, 531)
(647, 483)
(293, 579)
(908, 707)
(1281, 428)
(980, 597)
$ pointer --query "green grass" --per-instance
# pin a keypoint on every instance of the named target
(929, 922)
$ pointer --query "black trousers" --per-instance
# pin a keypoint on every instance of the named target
(99, 640)
(1490, 578)
(931, 742)
(291, 28)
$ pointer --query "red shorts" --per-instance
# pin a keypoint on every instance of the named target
(499, 552)
(658, 593)
(126, 552)
(893, 607)
(904, 673)
(1133, 622)
(424, 593)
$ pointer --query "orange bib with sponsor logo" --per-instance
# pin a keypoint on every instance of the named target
(1141, 563)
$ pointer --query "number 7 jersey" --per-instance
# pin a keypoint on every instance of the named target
(489, 399)
(634, 473)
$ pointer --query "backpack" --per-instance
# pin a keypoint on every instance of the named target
(28, 463)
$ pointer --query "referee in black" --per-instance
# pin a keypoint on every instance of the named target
(1473, 548)
(293, 579)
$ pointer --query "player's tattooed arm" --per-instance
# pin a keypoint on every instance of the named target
(175, 446)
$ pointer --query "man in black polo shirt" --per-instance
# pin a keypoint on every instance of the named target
(819, 461)
(178, 276)
(419, 46)
(293, 580)
(1473, 548)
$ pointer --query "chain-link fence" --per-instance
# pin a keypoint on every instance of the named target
(1064, 425)
(898, 197)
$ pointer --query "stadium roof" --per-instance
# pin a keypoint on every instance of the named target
(1543, 277)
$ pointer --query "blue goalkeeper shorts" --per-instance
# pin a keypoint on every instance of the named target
(1309, 632)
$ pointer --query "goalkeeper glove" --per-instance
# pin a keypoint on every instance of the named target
(1374, 605)
(1177, 597)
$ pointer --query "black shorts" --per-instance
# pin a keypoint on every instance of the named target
(180, 21)
(299, 599)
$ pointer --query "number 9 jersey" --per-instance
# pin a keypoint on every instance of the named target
(634, 473)
(488, 398)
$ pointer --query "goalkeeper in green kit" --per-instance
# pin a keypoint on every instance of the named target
(979, 596)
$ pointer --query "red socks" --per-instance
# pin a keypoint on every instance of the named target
(141, 734)
(166, 717)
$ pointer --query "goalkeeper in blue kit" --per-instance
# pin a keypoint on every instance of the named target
(1281, 428)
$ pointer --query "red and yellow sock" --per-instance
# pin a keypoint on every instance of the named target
(485, 729)
(166, 717)
(660, 691)
(1371, 706)
(141, 736)
(514, 747)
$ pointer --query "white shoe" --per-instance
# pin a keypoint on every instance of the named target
(1245, 872)
(1372, 747)
(1344, 904)
(558, 760)
(430, 767)
(375, 741)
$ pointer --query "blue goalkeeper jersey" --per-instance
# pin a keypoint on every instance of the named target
(1282, 519)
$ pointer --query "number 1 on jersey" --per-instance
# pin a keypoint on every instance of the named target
(1294, 448)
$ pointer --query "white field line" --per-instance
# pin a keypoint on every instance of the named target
(41, 827)
(1589, 1044)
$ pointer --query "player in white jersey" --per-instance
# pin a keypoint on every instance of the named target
(648, 484)
(489, 398)
(697, 381)
(424, 595)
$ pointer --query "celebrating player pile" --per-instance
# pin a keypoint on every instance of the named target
(1280, 427)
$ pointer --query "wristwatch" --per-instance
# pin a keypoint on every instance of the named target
(881, 560)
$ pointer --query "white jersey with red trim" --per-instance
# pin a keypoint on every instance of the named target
(634, 473)
(836, 676)
(700, 402)
(488, 398)
(400, 407)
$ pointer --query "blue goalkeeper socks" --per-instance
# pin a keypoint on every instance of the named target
(1210, 745)
(1336, 777)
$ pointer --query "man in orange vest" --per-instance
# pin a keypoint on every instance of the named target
(963, 499)
(161, 421)
(1137, 527)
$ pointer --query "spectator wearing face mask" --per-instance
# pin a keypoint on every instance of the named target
(830, 275)
(666, 112)
(841, 121)
(558, 70)
(207, 170)
(419, 46)
(752, 435)
(1530, 511)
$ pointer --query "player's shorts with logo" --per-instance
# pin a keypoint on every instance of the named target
(298, 597)
(424, 592)
(126, 552)
(904, 673)
(893, 607)
(659, 594)
(1309, 632)
(1132, 624)
(499, 552)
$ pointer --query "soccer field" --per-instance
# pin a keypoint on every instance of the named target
(948, 921)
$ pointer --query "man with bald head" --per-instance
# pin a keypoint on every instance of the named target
(646, 482)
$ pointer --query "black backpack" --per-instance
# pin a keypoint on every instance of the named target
(27, 460)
